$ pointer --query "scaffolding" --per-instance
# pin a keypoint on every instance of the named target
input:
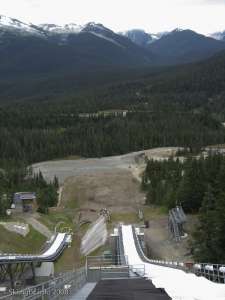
(176, 221)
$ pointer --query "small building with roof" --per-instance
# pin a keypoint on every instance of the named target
(25, 201)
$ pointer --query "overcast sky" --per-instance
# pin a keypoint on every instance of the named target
(204, 16)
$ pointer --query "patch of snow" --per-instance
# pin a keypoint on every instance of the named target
(108, 39)
(14, 24)
(96, 27)
(218, 35)
(65, 29)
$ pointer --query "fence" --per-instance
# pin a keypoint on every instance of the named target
(100, 267)
(213, 272)
(58, 288)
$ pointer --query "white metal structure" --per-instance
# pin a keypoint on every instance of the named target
(178, 284)
(60, 241)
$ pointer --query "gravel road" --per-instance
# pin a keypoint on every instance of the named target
(70, 168)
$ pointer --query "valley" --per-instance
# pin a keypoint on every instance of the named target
(114, 183)
(109, 137)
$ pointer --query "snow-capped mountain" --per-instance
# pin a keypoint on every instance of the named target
(66, 29)
(74, 28)
(59, 33)
(143, 38)
(158, 35)
(16, 26)
(46, 48)
(139, 37)
(218, 35)
(49, 48)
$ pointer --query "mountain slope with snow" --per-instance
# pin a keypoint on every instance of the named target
(139, 37)
(47, 48)
(185, 46)
(18, 27)
(50, 49)
(220, 36)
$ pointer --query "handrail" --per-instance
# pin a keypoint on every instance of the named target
(213, 272)
(123, 258)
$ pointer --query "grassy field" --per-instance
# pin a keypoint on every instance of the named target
(153, 212)
(56, 217)
(71, 257)
(150, 212)
(126, 218)
(14, 243)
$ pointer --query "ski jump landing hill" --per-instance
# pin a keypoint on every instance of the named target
(178, 284)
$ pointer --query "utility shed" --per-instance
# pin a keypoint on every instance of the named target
(25, 201)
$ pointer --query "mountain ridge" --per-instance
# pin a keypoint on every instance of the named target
(49, 49)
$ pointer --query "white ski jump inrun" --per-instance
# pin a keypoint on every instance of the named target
(178, 284)
(60, 241)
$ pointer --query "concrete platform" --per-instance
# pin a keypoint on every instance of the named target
(83, 293)
(127, 289)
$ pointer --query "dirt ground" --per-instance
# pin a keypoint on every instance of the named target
(116, 190)
(64, 169)
(88, 185)
(160, 244)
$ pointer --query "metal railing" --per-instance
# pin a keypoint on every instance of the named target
(103, 261)
(111, 267)
(213, 272)
(61, 287)
(120, 247)
(138, 270)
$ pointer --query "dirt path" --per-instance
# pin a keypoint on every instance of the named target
(162, 246)
(38, 226)
(60, 196)
(117, 191)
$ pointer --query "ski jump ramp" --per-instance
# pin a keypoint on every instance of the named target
(178, 284)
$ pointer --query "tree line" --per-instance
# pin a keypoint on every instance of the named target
(54, 136)
(17, 177)
(198, 185)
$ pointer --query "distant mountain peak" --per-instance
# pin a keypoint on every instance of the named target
(73, 28)
(177, 30)
(220, 36)
(96, 28)
(139, 37)
(64, 29)
(18, 26)
(6, 21)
